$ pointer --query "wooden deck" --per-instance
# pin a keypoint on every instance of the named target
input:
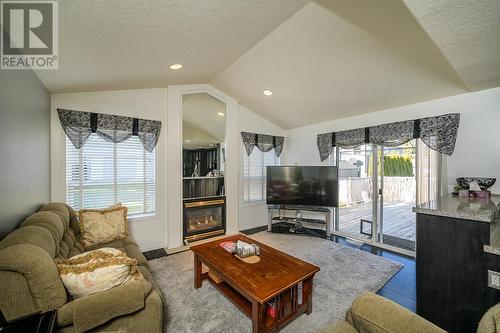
(399, 219)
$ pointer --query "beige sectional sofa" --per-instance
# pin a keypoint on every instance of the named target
(30, 283)
(370, 313)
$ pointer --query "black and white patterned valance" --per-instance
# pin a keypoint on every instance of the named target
(439, 133)
(263, 142)
(79, 125)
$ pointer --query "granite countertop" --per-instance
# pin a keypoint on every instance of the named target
(471, 209)
(474, 209)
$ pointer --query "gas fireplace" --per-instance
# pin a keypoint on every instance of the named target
(204, 218)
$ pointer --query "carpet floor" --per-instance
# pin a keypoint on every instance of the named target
(345, 273)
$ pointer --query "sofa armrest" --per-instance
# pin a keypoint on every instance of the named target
(94, 310)
(373, 313)
(29, 282)
(490, 323)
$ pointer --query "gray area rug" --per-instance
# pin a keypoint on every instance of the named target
(345, 273)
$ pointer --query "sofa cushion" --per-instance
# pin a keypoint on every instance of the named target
(148, 319)
(50, 221)
(116, 244)
(91, 311)
(99, 226)
(61, 209)
(74, 224)
(96, 271)
(129, 246)
(133, 251)
(149, 277)
(32, 235)
(63, 250)
(70, 243)
(69, 246)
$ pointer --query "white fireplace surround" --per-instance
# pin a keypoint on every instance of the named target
(174, 158)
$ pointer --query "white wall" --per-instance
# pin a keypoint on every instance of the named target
(477, 151)
(164, 104)
(150, 233)
(253, 215)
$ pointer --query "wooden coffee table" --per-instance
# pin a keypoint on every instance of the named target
(276, 277)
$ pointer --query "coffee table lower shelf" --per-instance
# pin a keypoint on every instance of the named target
(287, 306)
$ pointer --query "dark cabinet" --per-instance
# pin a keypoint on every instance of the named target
(452, 272)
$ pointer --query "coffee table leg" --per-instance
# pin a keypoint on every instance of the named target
(309, 283)
(197, 272)
(256, 316)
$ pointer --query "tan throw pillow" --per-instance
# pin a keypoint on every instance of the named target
(95, 271)
(99, 226)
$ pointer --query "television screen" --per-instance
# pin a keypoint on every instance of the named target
(302, 185)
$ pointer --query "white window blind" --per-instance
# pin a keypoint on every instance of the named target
(103, 173)
(253, 182)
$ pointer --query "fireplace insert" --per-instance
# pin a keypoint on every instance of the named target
(203, 218)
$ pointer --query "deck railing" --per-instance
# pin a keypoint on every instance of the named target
(355, 190)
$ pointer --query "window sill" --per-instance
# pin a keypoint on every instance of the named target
(142, 217)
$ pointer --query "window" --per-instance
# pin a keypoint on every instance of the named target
(254, 174)
(103, 173)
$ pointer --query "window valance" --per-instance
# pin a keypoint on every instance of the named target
(79, 125)
(439, 133)
(263, 142)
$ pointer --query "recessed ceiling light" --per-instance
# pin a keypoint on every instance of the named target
(187, 141)
(211, 145)
(267, 92)
(221, 114)
(176, 66)
(200, 147)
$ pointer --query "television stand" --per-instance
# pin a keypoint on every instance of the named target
(284, 223)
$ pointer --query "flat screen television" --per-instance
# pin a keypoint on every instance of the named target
(302, 186)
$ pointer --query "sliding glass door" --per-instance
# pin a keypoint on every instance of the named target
(397, 189)
(379, 186)
(356, 191)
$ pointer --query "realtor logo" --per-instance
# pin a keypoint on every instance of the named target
(30, 35)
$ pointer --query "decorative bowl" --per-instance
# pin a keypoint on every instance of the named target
(483, 182)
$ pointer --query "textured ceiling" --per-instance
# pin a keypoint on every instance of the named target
(334, 59)
(125, 44)
(323, 59)
(467, 33)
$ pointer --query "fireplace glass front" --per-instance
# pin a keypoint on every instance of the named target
(203, 218)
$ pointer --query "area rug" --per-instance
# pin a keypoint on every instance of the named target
(345, 273)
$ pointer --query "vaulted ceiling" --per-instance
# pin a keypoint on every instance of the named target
(126, 44)
(335, 59)
(468, 35)
(323, 59)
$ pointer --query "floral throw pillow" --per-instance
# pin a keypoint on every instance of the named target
(99, 226)
(96, 271)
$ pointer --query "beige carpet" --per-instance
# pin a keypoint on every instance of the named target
(345, 273)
